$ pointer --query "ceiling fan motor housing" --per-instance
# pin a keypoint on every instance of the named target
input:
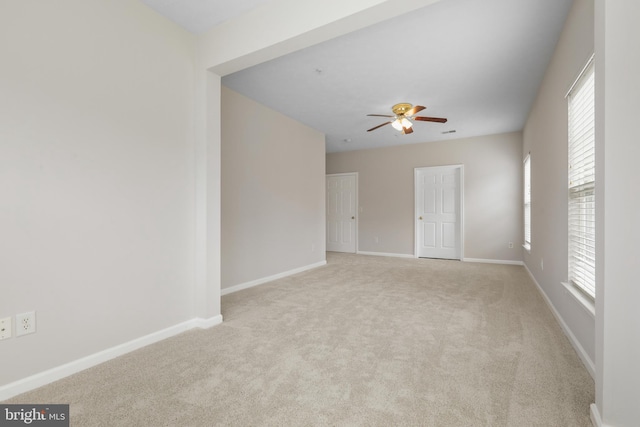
(401, 109)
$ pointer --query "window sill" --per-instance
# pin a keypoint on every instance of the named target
(587, 303)
(527, 248)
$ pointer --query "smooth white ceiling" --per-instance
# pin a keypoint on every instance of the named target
(478, 63)
(198, 16)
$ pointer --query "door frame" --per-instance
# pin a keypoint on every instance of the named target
(357, 209)
(460, 168)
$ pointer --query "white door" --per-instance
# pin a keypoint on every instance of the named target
(438, 207)
(341, 212)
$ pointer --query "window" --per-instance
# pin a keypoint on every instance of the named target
(527, 202)
(581, 99)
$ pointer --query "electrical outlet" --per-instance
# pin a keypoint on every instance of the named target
(510, 245)
(5, 328)
(25, 323)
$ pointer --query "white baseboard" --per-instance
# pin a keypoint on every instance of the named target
(252, 283)
(486, 261)
(595, 416)
(493, 261)
(586, 360)
(386, 254)
(207, 323)
(46, 377)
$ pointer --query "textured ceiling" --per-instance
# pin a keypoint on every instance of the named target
(478, 63)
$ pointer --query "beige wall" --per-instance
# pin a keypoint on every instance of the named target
(272, 192)
(545, 137)
(96, 177)
(492, 193)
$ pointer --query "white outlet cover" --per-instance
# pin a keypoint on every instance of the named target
(5, 328)
(25, 323)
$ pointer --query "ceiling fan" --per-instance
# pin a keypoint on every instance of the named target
(403, 114)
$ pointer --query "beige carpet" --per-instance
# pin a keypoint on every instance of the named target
(363, 341)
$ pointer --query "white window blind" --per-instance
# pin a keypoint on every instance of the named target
(582, 261)
(527, 202)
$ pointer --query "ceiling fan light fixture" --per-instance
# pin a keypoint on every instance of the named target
(401, 123)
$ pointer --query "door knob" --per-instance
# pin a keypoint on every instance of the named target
(353, 217)
(420, 218)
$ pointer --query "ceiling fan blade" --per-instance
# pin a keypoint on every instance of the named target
(407, 131)
(414, 110)
(379, 126)
(379, 115)
(430, 119)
